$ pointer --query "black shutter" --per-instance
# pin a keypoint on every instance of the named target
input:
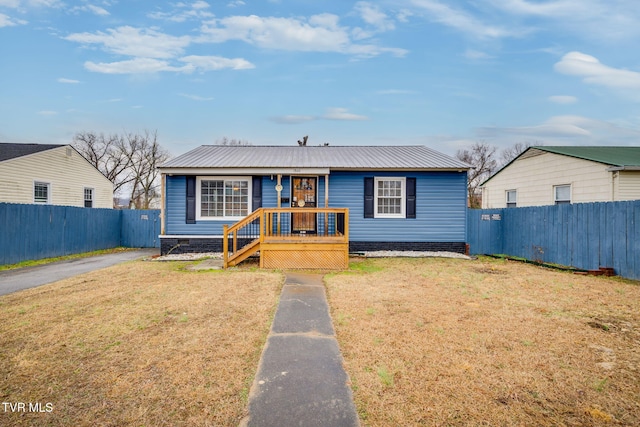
(256, 189)
(411, 198)
(368, 197)
(191, 200)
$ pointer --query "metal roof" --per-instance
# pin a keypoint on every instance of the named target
(614, 156)
(330, 157)
(10, 151)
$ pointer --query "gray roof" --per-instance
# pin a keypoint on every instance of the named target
(10, 151)
(331, 157)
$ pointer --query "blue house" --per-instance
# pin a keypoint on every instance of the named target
(373, 197)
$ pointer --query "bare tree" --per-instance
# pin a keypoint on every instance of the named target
(515, 150)
(146, 155)
(481, 157)
(232, 142)
(129, 161)
(108, 154)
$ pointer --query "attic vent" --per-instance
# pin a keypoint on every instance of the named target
(69, 151)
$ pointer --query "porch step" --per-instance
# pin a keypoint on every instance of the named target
(243, 253)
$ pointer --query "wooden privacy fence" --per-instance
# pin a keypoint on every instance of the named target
(583, 235)
(29, 232)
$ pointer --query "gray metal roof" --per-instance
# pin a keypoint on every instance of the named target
(331, 157)
(10, 151)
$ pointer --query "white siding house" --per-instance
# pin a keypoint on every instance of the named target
(51, 174)
(555, 175)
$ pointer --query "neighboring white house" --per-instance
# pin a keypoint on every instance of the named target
(556, 175)
(51, 174)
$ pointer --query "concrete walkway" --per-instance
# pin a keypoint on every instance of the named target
(301, 380)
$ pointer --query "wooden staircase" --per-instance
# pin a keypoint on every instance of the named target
(239, 229)
(267, 230)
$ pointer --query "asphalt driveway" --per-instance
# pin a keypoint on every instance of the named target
(30, 277)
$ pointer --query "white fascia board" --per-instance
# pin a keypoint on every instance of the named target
(245, 171)
(623, 168)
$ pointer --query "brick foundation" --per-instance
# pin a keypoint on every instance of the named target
(198, 245)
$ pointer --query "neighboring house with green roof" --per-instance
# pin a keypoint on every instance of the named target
(565, 174)
(51, 174)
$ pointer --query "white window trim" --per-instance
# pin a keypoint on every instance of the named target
(84, 196)
(199, 180)
(555, 200)
(506, 197)
(403, 202)
(48, 185)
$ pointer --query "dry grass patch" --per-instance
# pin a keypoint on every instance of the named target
(444, 342)
(140, 344)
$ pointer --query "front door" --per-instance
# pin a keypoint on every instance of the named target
(304, 195)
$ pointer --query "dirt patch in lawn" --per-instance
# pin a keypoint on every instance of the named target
(444, 342)
(140, 344)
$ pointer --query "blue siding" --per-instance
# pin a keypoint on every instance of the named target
(441, 202)
(440, 197)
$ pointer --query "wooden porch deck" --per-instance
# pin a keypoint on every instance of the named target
(269, 232)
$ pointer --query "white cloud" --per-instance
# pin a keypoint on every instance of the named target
(195, 97)
(594, 19)
(145, 43)
(236, 3)
(461, 20)
(192, 64)
(134, 66)
(570, 129)
(212, 63)
(69, 81)
(563, 99)
(184, 12)
(96, 10)
(342, 114)
(331, 114)
(476, 55)
(594, 72)
(318, 33)
(47, 113)
(7, 21)
(292, 119)
(372, 15)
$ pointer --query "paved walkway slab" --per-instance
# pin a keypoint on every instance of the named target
(301, 380)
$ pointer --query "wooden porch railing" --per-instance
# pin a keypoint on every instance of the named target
(275, 229)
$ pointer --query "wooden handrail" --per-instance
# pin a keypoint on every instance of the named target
(267, 220)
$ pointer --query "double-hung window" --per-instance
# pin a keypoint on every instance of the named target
(562, 194)
(88, 197)
(512, 198)
(41, 192)
(390, 197)
(222, 198)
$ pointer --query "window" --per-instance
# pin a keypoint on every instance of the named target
(562, 194)
(389, 197)
(88, 197)
(512, 198)
(41, 192)
(223, 197)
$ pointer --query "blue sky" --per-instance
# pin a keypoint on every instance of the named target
(402, 72)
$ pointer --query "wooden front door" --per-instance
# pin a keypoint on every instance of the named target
(304, 194)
